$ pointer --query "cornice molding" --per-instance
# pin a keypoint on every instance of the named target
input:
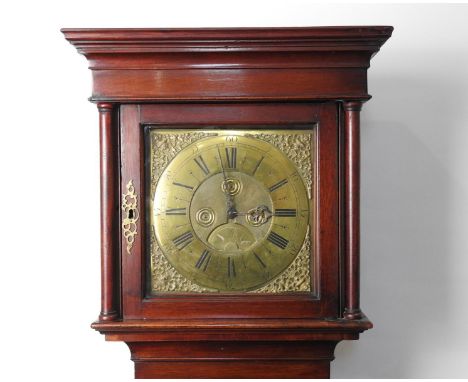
(220, 64)
(369, 38)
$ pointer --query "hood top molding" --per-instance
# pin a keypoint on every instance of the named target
(102, 40)
(240, 64)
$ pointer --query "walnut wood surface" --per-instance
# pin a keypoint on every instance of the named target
(226, 77)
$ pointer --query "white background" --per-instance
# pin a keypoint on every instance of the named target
(414, 185)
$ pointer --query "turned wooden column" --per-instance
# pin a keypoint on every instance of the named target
(109, 211)
(351, 205)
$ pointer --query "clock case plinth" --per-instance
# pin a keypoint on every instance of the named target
(237, 348)
(220, 77)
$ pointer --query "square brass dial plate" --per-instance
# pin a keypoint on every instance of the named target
(266, 176)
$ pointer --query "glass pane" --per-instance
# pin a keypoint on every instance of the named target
(231, 210)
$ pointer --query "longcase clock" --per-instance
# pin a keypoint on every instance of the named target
(230, 195)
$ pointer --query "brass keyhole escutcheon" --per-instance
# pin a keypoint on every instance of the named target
(130, 213)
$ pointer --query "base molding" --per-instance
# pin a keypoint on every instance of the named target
(226, 359)
(243, 348)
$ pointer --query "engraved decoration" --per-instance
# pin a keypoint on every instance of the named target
(129, 215)
(297, 146)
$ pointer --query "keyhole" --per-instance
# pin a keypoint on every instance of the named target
(130, 213)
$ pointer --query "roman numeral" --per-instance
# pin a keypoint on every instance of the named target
(182, 185)
(259, 260)
(183, 240)
(203, 261)
(176, 211)
(231, 268)
(231, 156)
(257, 166)
(285, 212)
(277, 240)
(201, 163)
(278, 185)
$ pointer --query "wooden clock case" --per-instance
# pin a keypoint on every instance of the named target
(228, 77)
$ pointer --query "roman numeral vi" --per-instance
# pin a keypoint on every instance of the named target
(231, 268)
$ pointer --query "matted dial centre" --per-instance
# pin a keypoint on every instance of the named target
(210, 216)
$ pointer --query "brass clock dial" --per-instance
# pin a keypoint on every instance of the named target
(230, 212)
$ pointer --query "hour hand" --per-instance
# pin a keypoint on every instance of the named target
(231, 209)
